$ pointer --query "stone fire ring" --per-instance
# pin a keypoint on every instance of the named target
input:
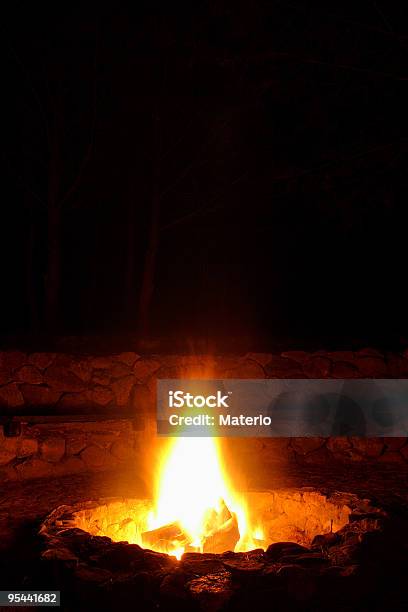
(341, 565)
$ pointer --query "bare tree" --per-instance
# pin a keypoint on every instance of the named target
(59, 188)
(185, 158)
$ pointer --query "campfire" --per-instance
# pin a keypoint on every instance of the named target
(196, 508)
(204, 541)
(313, 544)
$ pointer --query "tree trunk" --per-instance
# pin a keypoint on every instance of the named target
(149, 272)
(52, 280)
(149, 269)
(31, 275)
(53, 268)
(130, 272)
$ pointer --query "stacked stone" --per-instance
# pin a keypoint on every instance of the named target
(125, 383)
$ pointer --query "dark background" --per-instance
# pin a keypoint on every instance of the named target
(269, 139)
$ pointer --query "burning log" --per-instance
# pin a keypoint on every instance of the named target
(223, 538)
(165, 538)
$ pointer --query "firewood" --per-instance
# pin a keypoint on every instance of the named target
(223, 539)
(165, 537)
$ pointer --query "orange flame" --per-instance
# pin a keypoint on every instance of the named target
(191, 483)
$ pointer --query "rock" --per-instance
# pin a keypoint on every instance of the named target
(246, 369)
(143, 400)
(211, 592)
(299, 356)
(101, 363)
(93, 575)
(122, 388)
(144, 367)
(391, 457)
(128, 358)
(368, 447)
(39, 395)
(70, 465)
(300, 583)
(5, 376)
(122, 451)
(244, 568)
(201, 564)
(64, 360)
(279, 549)
(394, 444)
(317, 367)
(100, 395)
(75, 444)
(172, 588)
(404, 452)
(370, 352)
(120, 370)
(340, 447)
(7, 473)
(101, 377)
(103, 439)
(341, 356)
(12, 360)
(122, 557)
(60, 379)
(342, 554)
(155, 561)
(303, 446)
(261, 358)
(397, 366)
(325, 540)
(82, 369)
(34, 468)
(29, 374)
(11, 396)
(6, 455)
(59, 554)
(95, 457)
(310, 559)
(371, 367)
(41, 360)
(342, 369)
(52, 449)
(275, 450)
(280, 367)
(27, 447)
(319, 456)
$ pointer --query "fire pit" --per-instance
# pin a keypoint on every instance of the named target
(311, 545)
(202, 544)
(196, 509)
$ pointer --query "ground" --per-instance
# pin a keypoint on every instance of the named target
(24, 505)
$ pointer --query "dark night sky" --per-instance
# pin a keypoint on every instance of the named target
(282, 145)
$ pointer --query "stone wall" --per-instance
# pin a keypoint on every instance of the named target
(68, 448)
(121, 389)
